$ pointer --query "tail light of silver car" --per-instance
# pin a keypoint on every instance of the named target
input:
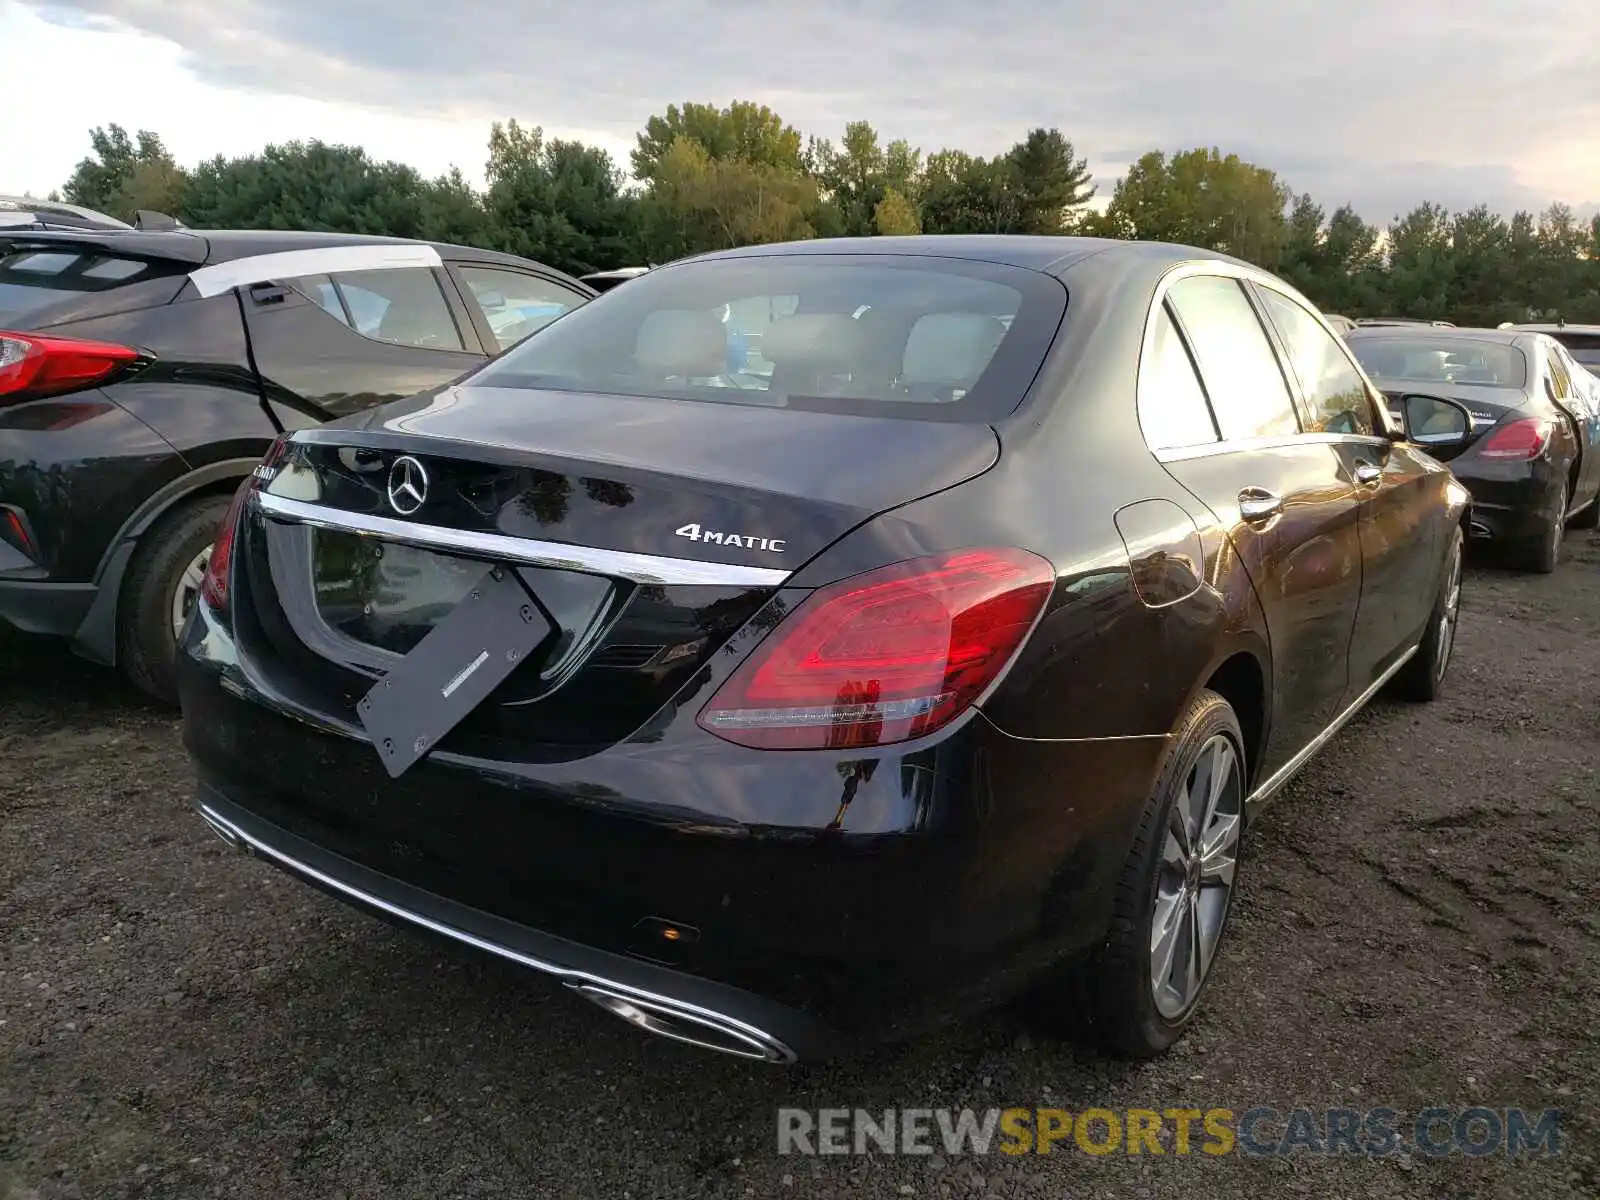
(886, 656)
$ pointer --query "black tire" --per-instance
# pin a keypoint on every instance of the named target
(146, 641)
(1112, 992)
(1541, 554)
(1422, 679)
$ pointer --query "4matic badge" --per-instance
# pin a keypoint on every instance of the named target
(748, 540)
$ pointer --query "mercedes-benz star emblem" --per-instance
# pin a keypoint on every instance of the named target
(408, 485)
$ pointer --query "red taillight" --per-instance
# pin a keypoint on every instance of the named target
(32, 365)
(219, 566)
(882, 657)
(1522, 439)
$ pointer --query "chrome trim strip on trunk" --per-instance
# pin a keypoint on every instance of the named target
(1283, 774)
(593, 987)
(640, 568)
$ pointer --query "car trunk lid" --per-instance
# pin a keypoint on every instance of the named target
(646, 533)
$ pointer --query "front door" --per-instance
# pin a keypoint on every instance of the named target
(1286, 500)
(1395, 491)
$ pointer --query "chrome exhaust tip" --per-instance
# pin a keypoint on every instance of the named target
(697, 1027)
(225, 831)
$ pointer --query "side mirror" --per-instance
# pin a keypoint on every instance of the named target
(1441, 427)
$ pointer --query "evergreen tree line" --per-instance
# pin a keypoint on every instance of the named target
(704, 178)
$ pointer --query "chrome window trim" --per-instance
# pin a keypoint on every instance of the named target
(1260, 278)
(323, 260)
(640, 568)
(1283, 442)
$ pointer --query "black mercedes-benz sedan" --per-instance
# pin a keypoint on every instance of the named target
(936, 646)
(1533, 461)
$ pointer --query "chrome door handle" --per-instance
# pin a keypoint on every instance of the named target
(1257, 505)
(1368, 473)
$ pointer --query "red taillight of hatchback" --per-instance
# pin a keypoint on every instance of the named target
(33, 366)
(219, 567)
(1516, 441)
(893, 654)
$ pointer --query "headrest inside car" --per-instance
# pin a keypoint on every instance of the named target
(951, 349)
(826, 341)
(682, 341)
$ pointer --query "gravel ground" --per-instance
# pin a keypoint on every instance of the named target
(1418, 926)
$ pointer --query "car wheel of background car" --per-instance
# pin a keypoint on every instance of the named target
(1141, 988)
(1423, 677)
(161, 584)
(1542, 554)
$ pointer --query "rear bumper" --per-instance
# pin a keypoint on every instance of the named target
(1510, 501)
(664, 1001)
(934, 883)
(55, 609)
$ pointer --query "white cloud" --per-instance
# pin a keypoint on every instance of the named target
(1366, 101)
(139, 81)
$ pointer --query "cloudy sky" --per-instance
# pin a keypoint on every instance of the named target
(1382, 103)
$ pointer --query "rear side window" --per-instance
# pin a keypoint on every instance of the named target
(403, 305)
(1584, 348)
(885, 335)
(1556, 381)
(1336, 396)
(516, 304)
(1172, 405)
(1246, 385)
(35, 279)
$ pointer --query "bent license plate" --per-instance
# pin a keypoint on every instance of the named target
(452, 670)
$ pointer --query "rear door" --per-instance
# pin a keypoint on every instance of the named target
(1285, 497)
(507, 305)
(1573, 395)
(1396, 491)
(327, 345)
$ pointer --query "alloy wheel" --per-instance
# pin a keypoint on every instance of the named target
(188, 589)
(1194, 886)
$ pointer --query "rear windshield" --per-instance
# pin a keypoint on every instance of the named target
(1441, 360)
(881, 335)
(32, 278)
(1585, 347)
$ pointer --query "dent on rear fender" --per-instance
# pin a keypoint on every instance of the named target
(1165, 558)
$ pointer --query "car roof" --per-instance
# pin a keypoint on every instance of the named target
(15, 212)
(1050, 254)
(1437, 333)
(1555, 330)
(211, 246)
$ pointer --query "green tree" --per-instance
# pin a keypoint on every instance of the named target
(895, 215)
(559, 202)
(698, 203)
(744, 132)
(124, 175)
(1202, 198)
(855, 177)
(1049, 181)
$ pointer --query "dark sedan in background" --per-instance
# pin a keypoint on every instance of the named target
(944, 651)
(1533, 463)
(143, 373)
